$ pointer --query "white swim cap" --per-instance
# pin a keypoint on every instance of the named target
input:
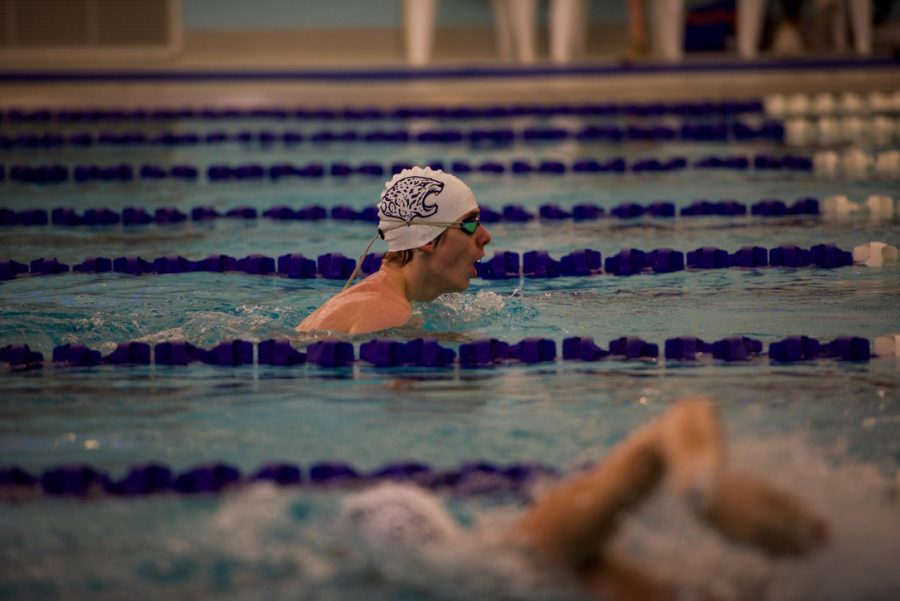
(393, 514)
(418, 204)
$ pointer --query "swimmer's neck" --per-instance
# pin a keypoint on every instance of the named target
(414, 280)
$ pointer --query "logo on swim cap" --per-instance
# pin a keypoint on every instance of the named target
(406, 198)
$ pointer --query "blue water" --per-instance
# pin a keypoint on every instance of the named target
(828, 430)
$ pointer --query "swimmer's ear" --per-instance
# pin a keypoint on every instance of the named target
(427, 248)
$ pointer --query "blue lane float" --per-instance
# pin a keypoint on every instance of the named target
(771, 131)
(135, 216)
(58, 174)
(502, 265)
(699, 108)
(425, 352)
(153, 478)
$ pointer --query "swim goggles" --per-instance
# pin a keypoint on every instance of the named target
(468, 225)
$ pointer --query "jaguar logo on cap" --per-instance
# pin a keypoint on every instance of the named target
(406, 199)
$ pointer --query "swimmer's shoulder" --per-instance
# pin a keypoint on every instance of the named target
(358, 311)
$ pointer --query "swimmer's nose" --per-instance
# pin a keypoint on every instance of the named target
(482, 236)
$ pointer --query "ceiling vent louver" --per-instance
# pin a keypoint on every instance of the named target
(85, 29)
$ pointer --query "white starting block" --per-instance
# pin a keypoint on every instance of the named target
(888, 345)
(887, 164)
(874, 254)
(880, 206)
(857, 163)
(827, 163)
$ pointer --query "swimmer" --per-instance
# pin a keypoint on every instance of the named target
(429, 220)
(571, 526)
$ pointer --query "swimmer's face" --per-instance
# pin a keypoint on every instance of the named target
(454, 259)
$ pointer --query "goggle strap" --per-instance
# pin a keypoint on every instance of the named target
(360, 261)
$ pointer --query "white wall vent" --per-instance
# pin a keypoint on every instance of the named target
(88, 29)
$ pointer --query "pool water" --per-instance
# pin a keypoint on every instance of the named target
(828, 430)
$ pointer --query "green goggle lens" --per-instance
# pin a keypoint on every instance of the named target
(470, 225)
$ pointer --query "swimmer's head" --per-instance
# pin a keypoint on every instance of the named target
(398, 515)
(418, 204)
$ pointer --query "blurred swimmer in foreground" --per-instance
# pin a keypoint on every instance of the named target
(429, 220)
(572, 526)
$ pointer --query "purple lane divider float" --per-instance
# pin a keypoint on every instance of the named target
(32, 217)
(794, 348)
(64, 216)
(503, 265)
(632, 347)
(587, 212)
(662, 209)
(402, 471)
(769, 208)
(789, 256)
(664, 260)
(130, 216)
(219, 263)
(628, 210)
(749, 256)
(580, 348)
(829, 256)
(241, 213)
(533, 350)
(9, 269)
(280, 213)
(204, 213)
(282, 474)
(173, 264)
(94, 265)
(136, 216)
(77, 480)
(16, 477)
(628, 261)
(48, 266)
(257, 264)
(130, 353)
(427, 352)
(312, 213)
(553, 212)
(330, 353)
(76, 355)
(295, 265)
(708, 257)
(382, 352)
(335, 266)
(516, 214)
(20, 356)
(279, 352)
(420, 351)
(727, 208)
(581, 263)
(230, 352)
(131, 265)
(177, 352)
(847, 348)
(486, 351)
(145, 479)
(169, 215)
(685, 348)
(736, 348)
(333, 473)
(539, 264)
(207, 479)
(371, 263)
